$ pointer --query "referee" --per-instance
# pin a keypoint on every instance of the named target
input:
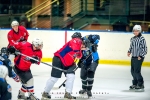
(138, 49)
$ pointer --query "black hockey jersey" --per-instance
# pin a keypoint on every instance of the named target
(5, 90)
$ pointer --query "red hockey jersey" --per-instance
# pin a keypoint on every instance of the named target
(21, 35)
(22, 62)
(69, 52)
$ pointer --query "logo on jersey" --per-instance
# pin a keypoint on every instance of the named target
(9, 88)
(27, 58)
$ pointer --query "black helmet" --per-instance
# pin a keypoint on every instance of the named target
(3, 50)
(76, 35)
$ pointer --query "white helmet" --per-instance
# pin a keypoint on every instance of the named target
(37, 42)
(3, 71)
(138, 28)
(14, 23)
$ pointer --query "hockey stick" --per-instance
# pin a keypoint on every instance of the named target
(63, 84)
(41, 62)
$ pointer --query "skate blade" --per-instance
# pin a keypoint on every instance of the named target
(139, 90)
(45, 98)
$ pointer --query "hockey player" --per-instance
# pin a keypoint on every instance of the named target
(5, 61)
(65, 59)
(16, 34)
(23, 63)
(138, 49)
(88, 63)
(5, 88)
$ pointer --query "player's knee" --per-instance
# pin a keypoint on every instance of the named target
(29, 86)
(93, 66)
(30, 82)
(53, 79)
(83, 73)
(91, 74)
(136, 70)
(83, 76)
(70, 76)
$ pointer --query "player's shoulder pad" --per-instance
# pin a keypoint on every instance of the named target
(22, 28)
(76, 40)
(10, 32)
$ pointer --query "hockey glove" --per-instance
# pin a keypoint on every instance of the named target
(11, 50)
(34, 61)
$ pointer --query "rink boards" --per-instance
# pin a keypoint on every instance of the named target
(113, 46)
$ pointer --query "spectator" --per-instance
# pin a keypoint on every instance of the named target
(24, 20)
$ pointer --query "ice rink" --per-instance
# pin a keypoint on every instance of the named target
(111, 83)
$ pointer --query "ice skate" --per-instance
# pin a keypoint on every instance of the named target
(68, 96)
(45, 96)
(22, 96)
(89, 93)
(82, 91)
(132, 87)
(139, 88)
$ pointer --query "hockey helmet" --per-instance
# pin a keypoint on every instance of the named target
(3, 51)
(14, 23)
(76, 35)
(3, 71)
(37, 43)
(138, 28)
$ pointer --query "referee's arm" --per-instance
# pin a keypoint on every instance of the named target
(143, 47)
(131, 46)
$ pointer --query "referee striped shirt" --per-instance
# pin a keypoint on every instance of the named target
(138, 47)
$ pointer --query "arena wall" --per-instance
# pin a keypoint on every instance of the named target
(113, 46)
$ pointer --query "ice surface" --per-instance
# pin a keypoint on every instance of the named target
(111, 83)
